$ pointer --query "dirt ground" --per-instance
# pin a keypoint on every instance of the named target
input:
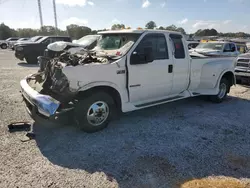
(189, 143)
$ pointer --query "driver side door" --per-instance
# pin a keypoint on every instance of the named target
(150, 70)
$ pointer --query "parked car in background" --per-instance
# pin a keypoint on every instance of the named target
(31, 50)
(32, 39)
(217, 49)
(242, 69)
(127, 70)
(192, 44)
(4, 43)
(242, 47)
(248, 45)
(12, 43)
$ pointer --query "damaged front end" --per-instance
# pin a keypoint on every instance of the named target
(48, 91)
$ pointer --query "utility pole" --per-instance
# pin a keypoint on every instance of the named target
(55, 15)
(40, 12)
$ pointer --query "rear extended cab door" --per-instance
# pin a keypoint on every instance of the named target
(181, 64)
(150, 68)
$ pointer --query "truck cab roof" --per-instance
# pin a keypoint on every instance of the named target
(138, 31)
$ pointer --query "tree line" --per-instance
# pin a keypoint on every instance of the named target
(76, 31)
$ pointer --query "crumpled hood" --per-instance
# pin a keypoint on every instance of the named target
(61, 45)
(204, 50)
(246, 55)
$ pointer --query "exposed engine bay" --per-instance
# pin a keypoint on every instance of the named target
(50, 79)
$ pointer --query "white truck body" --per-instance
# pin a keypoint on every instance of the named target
(173, 75)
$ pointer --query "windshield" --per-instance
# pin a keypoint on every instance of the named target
(41, 39)
(34, 39)
(87, 40)
(119, 43)
(214, 46)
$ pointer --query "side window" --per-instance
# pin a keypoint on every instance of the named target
(151, 47)
(232, 47)
(61, 39)
(227, 48)
(161, 48)
(178, 45)
(47, 41)
(149, 41)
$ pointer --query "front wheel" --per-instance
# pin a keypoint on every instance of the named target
(94, 112)
(223, 91)
(4, 46)
(31, 59)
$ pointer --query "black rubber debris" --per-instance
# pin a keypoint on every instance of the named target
(19, 126)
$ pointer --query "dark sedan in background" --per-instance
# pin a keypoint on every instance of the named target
(31, 50)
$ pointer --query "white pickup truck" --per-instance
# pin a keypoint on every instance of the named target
(128, 70)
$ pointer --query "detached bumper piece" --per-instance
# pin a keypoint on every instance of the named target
(38, 103)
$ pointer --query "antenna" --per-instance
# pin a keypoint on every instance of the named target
(55, 16)
(40, 12)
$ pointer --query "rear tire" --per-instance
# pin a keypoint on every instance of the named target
(94, 112)
(4, 46)
(31, 59)
(224, 89)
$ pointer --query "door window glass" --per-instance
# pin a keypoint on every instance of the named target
(178, 45)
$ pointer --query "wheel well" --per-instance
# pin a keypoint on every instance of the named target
(107, 89)
(230, 77)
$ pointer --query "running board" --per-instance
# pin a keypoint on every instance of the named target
(159, 101)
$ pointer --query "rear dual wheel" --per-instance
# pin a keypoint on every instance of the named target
(224, 88)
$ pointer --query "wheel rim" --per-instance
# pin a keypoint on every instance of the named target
(97, 113)
(223, 90)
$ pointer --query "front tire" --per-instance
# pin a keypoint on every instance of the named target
(31, 59)
(224, 89)
(94, 112)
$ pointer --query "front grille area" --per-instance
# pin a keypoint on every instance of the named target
(242, 65)
(243, 60)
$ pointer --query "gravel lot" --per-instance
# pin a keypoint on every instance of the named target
(164, 146)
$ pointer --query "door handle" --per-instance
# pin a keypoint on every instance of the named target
(170, 68)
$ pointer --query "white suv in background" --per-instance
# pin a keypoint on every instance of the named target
(217, 48)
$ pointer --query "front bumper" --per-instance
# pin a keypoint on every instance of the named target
(19, 55)
(240, 73)
(36, 102)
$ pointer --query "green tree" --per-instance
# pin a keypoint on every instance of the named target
(150, 25)
(206, 32)
(118, 26)
(76, 31)
(5, 31)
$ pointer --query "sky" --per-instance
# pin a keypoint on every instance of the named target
(223, 15)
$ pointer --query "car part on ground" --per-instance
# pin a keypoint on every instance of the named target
(19, 126)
